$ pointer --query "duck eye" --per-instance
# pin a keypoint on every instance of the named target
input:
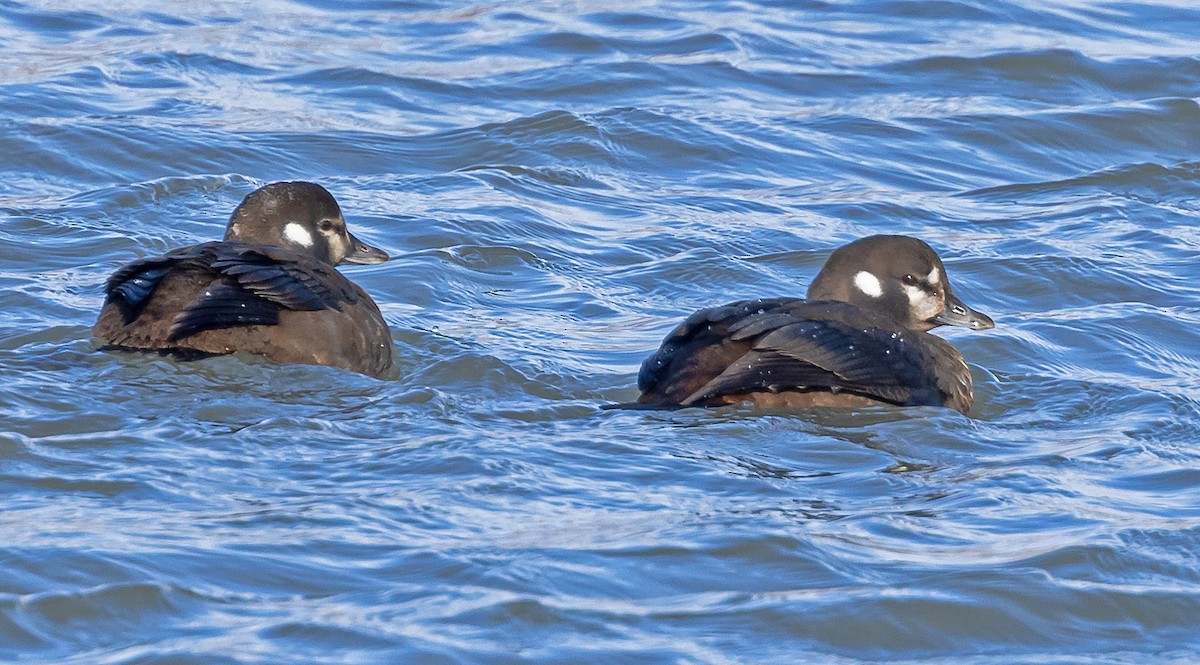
(325, 225)
(910, 280)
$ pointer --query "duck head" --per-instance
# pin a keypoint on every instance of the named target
(899, 276)
(300, 216)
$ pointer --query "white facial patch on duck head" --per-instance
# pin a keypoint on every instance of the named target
(923, 304)
(934, 277)
(868, 284)
(298, 234)
(339, 247)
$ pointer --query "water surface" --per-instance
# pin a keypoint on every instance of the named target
(560, 184)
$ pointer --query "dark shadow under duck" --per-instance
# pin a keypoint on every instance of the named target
(860, 338)
(269, 288)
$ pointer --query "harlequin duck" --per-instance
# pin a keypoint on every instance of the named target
(859, 339)
(269, 288)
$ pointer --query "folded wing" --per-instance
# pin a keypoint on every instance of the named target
(790, 345)
(237, 284)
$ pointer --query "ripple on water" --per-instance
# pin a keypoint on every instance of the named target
(559, 186)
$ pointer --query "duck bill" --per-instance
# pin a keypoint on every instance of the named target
(362, 253)
(958, 314)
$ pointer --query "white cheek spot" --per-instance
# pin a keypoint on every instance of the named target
(298, 234)
(338, 246)
(915, 294)
(921, 303)
(868, 284)
(934, 276)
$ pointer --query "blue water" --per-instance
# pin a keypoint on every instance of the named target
(561, 183)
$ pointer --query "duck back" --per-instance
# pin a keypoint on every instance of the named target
(789, 352)
(229, 297)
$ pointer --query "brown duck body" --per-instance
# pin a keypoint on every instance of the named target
(790, 353)
(288, 304)
(859, 339)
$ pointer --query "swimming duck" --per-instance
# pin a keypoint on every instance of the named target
(269, 288)
(860, 338)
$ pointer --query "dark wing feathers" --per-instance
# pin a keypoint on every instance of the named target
(223, 306)
(788, 344)
(293, 281)
(761, 371)
(251, 284)
(854, 355)
(825, 355)
(133, 284)
(753, 326)
(703, 328)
